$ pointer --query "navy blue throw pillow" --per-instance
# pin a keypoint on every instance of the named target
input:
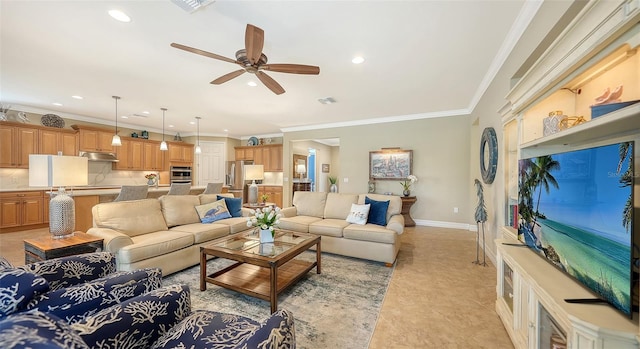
(377, 211)
(234, 205)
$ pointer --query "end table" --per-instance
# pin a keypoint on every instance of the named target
(407, 202)
(44, 248)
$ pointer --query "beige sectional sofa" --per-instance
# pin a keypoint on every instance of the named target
(165, 233)
(325, 214)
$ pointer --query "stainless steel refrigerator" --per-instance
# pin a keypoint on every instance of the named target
(235, 176)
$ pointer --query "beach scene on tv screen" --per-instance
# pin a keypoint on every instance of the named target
(576, 210)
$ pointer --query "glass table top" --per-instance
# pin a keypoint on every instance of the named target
(249, 242)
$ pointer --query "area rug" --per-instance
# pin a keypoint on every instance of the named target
(335, 309)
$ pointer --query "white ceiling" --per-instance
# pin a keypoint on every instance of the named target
(423, 59)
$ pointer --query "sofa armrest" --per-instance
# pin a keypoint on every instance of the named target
(37, 330)
(246, 212)
(75, 303)
(137, 322)
(396, 223)
(289, 211)
(113, 240)
(72, 270)
(278, 331)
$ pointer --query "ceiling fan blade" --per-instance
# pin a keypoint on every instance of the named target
(270, 83)
(226, 77)
(253, 42)
(204, 53)
(292, 68)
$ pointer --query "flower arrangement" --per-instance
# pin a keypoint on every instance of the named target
(406, 185)
(150, 176)
(264, 198)
(266, 219)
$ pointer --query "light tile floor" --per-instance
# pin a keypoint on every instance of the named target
(437, 297)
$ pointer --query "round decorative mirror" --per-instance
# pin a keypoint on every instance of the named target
(488, 155)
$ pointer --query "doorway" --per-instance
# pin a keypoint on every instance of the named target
(210, 164)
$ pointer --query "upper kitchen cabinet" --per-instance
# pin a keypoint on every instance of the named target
(270, 156)
(180, 152)
(154, 159)
(245, 153)
(94, 139)
(130, 155)
(16, 143)
(54, 141)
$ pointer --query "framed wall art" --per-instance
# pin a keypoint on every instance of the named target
(325, 168)
(395, 164)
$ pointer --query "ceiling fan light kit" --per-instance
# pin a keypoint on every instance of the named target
(253, 61)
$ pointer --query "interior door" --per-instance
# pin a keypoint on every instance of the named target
(210, 164)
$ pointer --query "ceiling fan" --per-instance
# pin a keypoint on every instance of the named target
(253, 61)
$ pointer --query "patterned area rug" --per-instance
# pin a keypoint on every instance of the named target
(336, 309)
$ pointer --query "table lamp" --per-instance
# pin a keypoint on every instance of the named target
(59, 171)
(301, 170)
(253, 173)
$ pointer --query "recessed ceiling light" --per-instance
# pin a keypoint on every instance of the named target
(124, 117)
(76, 97)
(170, 125)
(145, 112)
(357, 60)
(252, 83)
(192, 122)
(225, 130)
(58, 104)
(119, 16)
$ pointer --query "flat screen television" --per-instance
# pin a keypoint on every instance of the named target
(576, 210)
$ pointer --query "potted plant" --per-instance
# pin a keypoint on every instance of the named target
(406, 185)
(333, 187)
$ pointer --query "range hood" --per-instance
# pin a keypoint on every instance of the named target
(97, 156)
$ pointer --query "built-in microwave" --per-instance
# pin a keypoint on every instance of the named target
(180, 174)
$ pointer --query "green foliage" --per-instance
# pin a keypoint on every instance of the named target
(333, 180)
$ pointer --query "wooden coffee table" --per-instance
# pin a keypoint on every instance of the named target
(262, 270)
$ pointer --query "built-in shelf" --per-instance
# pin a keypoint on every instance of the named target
(610, 127)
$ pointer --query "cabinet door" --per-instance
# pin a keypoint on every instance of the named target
(45, 208)
(28, 144)
(69, 143)
(136, 155)
(187, 153)
(104, 141)
(32, 211)
(123, 153)
(9, 213)
(258, 157)
(175, 153)
(275, 158)
(7, 147)
(49, 142)
(153, 157)
(88, 140)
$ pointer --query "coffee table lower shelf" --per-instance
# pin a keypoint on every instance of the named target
(255, 280)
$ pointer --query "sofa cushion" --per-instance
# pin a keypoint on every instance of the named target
(310, 203)
(17, 288)
(235, 224)
(338, 205)
(328, 227)
(377, 211)
(395, 202)
(358, 214)
(203, 232)
(297, 223)
(233, 204)
(38, 330)
(154, 244)
(213, 211)
(370, 232)
(127, 216)
(180, 209)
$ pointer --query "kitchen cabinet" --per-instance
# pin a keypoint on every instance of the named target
(182, 153)
(154, 159)
(244, 153)
(273, 191)
(16, 143)
(53, 141)
(94, 139)
(270, 156)
(84, 217)
(130, 154)
(21, 208)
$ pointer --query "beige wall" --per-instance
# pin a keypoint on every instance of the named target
(440, 161)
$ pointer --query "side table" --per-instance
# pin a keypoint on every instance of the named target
(258, 205)
(44, 248)
(407, 202)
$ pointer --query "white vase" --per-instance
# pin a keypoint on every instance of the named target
(333, 188)
(266, 236)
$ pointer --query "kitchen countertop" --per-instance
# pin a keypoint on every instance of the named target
(97, 190)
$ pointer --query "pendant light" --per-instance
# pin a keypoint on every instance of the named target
(198, 149)
(115, 141)
(163, 145)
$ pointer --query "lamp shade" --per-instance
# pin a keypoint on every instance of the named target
(253, 172)
(300, 168)
(57, 170)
